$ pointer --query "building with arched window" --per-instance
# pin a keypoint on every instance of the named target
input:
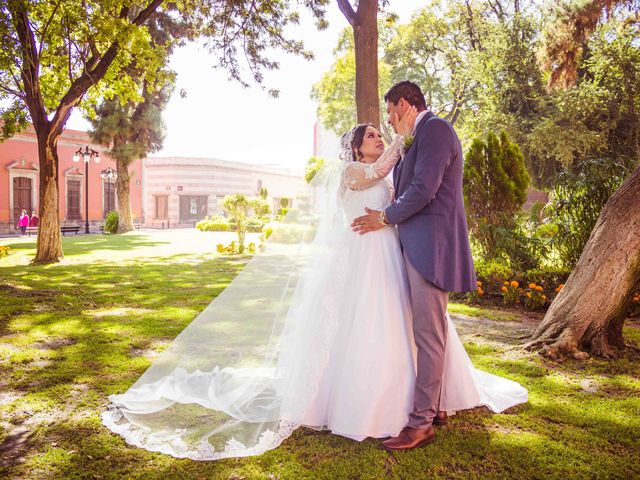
(166, 192)
(20, 177)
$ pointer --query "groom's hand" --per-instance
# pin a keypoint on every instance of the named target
(367, 223)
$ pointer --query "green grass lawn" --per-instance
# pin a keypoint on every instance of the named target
(75, 332)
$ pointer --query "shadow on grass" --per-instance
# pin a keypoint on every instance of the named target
(99, 321)
(78, 346)
(83, 244)
(472, 446)
(65, 327)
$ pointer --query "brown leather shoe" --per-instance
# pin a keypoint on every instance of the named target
(440, 419)
(410, 438)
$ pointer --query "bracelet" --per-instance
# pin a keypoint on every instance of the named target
(382, 218)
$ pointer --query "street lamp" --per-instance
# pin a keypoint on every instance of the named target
(86, 157)
(108, 174)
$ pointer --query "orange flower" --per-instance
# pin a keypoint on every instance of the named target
(529, 294)
(560, 287)
(515, 284)
(479, 283)
(506, 284)
(504, 289)
(480, 291)
(539, 288)
(532, 286)
(544, 297)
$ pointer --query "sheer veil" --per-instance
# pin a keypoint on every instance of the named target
(237, 380)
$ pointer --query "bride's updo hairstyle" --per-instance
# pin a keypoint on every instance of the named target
(352, 141)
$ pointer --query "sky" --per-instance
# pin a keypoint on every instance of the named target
(221, 119)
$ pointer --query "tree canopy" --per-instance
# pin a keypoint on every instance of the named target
(479, 65)
(60, 54)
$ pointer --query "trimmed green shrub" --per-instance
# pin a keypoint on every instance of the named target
(498, 282)
(281, 213)
(256, 224)
(493, 273)
(549, 278)
(287, 233)
(111, 222)
(495, 188)
(214, 224)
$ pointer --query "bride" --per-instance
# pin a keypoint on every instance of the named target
(315, 331)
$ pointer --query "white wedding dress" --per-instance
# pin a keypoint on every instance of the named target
(324, 343)
(366, 390)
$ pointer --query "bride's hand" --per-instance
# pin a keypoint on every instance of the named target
(405, 124)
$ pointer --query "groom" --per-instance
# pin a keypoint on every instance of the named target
(429, 212)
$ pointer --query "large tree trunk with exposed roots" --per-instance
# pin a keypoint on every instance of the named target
(365, 34)
(587, 316)
(49, 246)
(125, 218)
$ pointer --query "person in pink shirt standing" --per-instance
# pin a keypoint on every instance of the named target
(23, 223)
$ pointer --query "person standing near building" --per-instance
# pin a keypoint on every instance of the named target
(23, 223)
(35, 220)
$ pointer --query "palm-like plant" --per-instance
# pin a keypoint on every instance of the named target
(237, 207)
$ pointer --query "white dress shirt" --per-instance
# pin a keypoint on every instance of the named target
(418, 118)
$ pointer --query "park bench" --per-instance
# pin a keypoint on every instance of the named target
(75, 229)
(64, 230)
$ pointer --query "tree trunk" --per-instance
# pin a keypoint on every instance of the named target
(241, 230)
(588, 314)
(125, 218)
(365, 33)
(49, 247)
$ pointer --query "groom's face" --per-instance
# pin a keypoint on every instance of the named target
(396, 111)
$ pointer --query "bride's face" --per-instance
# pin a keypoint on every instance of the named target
(372, 146)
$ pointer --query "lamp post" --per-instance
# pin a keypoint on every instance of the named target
(86, 157)
(109, 174)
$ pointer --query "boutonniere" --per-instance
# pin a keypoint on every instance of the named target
(407, 143)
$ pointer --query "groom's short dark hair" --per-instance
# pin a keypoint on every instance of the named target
(409, 91)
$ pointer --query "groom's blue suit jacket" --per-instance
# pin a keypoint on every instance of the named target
(429, 207)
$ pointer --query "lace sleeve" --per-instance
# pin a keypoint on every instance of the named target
(358, 176)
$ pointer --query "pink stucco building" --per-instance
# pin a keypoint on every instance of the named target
(166, 192)
(19, 177)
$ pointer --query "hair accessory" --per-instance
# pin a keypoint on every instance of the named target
(346, 141)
